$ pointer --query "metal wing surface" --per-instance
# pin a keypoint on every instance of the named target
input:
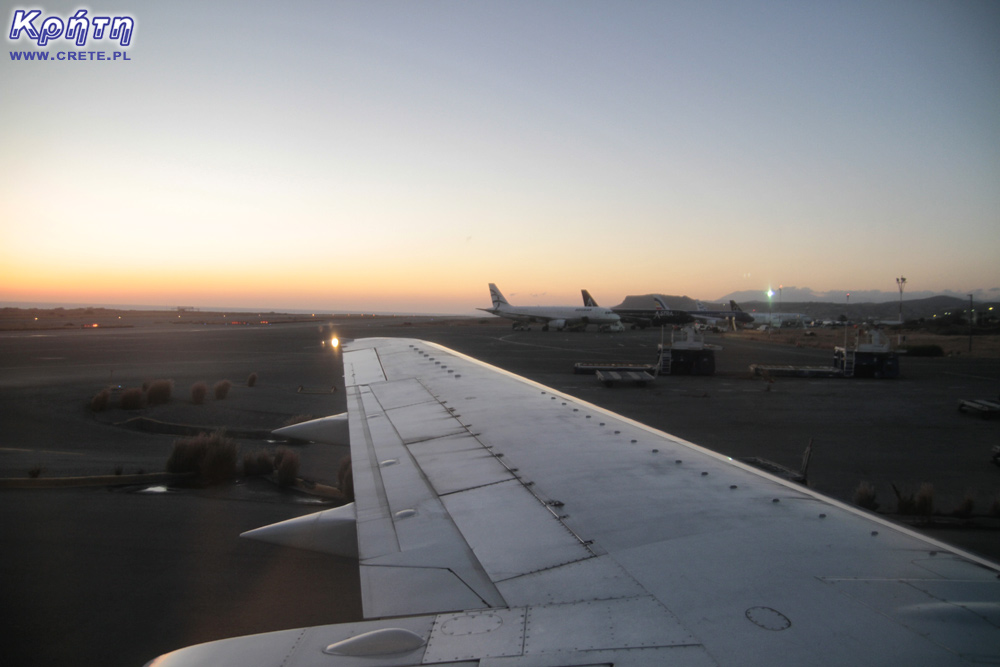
(500, 523)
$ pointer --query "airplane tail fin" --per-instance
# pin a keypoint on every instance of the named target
(588, 300)
(497, 296)
(735, 307)
(701, 306)
(660, 306)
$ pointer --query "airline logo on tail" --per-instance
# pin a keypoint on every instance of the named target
(498, 298)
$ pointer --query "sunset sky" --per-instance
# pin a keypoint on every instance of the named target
(384, 155)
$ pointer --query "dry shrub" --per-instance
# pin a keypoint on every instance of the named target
(905, 504)
(252, 380)
(101, 400)
(159, 392)
(259, 462)
(864, 496)
(131, 399)
(199, 390)
(222, 389)
(287, 465)
(211, 456)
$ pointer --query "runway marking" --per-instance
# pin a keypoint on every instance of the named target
(39, 451)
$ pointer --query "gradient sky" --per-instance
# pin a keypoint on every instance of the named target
(400, 155)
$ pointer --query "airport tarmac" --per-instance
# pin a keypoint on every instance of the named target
(117, 577)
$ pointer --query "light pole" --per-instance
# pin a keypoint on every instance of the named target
(971, 315)
(770, 322)
(780, 287)
(846, 308)
(901, 283)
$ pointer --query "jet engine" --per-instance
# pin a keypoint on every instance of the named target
(558, 325)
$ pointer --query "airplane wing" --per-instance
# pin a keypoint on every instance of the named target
(500, 523)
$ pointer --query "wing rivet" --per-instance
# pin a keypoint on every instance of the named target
(678, 462)
(874, 533)
(704, 474)
(732, 486)
(634, 441)
(656, 451)
(776, 500)
(822, 516)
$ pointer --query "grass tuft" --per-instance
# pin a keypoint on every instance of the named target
(222, 389)
(131, 399)
(101, 400)
(864, 496)
(199, 390)
(34, 472)
(288, 467)
(259, 462)
(252, 379)
(159, 392)
(965, 508)
(211, 455)
(925, 500)
(905, 504)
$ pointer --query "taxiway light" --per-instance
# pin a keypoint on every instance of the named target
(334, 342)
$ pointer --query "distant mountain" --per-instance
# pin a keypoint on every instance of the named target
(805, 294)
(856, 311)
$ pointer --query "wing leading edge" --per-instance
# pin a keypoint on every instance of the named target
(503, 523)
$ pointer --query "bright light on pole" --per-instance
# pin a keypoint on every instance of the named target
(770, 323)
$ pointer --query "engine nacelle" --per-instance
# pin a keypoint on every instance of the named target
(558, 325)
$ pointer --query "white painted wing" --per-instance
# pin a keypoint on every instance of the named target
(509, 525)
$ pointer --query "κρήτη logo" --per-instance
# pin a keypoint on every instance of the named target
(78, 28)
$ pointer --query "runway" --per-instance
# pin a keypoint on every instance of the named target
(118, 577)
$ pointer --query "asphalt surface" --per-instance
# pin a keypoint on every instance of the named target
(116, 577)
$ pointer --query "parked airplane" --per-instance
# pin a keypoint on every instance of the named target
(500, 522)
(733, 316)
(645, 317)
(555, 317)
